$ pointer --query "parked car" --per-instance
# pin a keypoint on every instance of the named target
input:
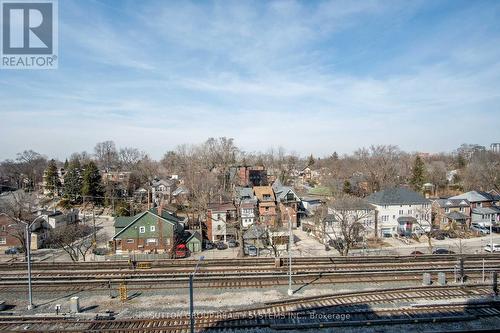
(442, 251)
(496, 248)
(221, 246)
(12, 250)
(496, 229)
(479, 229)
(416, 253)
(252, 251)
(232, 243)
(209, 245)
(100, 251)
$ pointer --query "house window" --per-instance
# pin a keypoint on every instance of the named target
(461, 209)
(142, 230)
(152, 228)
(130, 241)
(151, 240)
(401, 212)
(3, 228)
(409, 211)
(219, 228)
(393, 217)
(447, 210)
(3, 240)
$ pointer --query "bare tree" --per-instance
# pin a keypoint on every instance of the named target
(380, 165)
(76, 240)
(424, 224)
(483, 172)
(106, 154)
(130, 157)
(436, 172)
(344, 225)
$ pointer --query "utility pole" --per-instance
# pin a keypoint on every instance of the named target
(290, 241)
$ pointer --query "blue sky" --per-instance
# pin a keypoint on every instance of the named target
(311, 76)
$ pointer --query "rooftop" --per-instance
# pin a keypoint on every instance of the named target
(396, 196)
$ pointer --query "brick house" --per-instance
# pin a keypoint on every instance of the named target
(249, 175)
(287, 198)
(483, 206)
(448, 211)
(6, 233)
(266, 203)
(149, 231)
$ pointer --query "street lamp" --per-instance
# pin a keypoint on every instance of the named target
(191, 305)
(27, 234)
(290, 236)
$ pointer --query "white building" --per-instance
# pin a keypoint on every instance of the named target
(247, 212)
(485, 216)
(401, 211)
(54, 218)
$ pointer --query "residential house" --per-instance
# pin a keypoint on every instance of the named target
(221, 220)
(56, 218)
(447, 212)
(329, 228)
(359, 211)
(117, 183)
(266, 202)
(483, 206)
(248, 208)
(12, 234)
(246, 202)
(400, 211)
(288, 203)
(180, 196)
(8, 232)
(479, 199)
(256, 235)
(245, 175)
(162, 189)
(486, 216)
(154, 230)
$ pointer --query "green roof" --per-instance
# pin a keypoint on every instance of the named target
(123, 221)
(165, 214)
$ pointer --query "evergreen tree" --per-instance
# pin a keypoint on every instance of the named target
(52, 180)
(418, 174)
(73, 182)
(335, 156)
(91, 184)
(310, 160)
(347, 187)
(66, 164)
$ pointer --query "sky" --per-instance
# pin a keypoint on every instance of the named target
(308, 76)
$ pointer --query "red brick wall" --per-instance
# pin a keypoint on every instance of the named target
(4, 232)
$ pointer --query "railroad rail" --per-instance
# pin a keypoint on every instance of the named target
(238, 277)
(244, 262)
(374, 307)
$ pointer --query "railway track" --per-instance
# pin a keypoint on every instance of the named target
(380, 307)
(246, 262)
(239, 277)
